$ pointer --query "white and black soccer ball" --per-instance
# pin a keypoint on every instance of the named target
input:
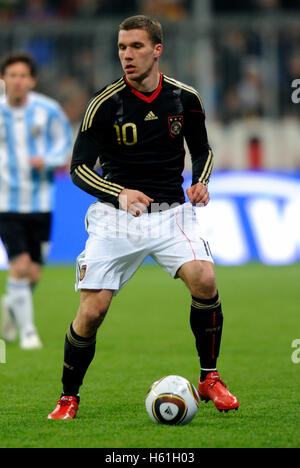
(172, 400)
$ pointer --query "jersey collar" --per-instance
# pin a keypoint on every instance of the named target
(142, 96)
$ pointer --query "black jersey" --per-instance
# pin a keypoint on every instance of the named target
(139, 140)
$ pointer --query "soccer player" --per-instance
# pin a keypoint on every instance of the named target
(137, 126)
(35, 139)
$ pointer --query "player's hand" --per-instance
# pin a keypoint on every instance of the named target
(198, 194)
(134, 201)
(37, 162)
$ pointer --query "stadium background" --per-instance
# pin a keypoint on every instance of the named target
(243, 57)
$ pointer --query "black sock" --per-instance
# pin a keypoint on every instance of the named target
(78, 355)
(206, 322)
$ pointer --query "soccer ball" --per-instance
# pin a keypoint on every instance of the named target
(172, 400)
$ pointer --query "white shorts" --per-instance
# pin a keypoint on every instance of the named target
(118, 243)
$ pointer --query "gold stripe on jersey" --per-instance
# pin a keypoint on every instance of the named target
(96, 183)
(98, 100)
(95, 100)
(99, 180)
(103, 100)
(209, 172)
(207, 169)
(93, 185)
(107, 182)
(185, 87)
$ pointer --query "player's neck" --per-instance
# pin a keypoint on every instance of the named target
(17, 102)
(147, 84)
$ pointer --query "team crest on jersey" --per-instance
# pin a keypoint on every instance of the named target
(82, 272)
(36, 130)
(175, 125)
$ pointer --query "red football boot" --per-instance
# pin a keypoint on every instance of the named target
(213, 388)
(66, 408)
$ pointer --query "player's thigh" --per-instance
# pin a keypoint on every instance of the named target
(93, 307)
(97, 301)
(113, 251)
(182, 241)
(20, 266)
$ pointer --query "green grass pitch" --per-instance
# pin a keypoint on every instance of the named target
(145, 336)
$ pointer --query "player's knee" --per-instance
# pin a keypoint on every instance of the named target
(20, 266)
(203, 284)
(94, 314)
(205, 289)
(35, 273)
(93, 308)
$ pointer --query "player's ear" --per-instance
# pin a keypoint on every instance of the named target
(33, 82)
(158, 50)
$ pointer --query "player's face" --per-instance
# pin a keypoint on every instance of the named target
(18, 81)
(138, 54)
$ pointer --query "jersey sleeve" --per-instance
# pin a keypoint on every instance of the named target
(87, 149)
(59, 138)
(196, 138)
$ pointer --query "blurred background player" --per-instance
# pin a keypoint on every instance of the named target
(35, 140)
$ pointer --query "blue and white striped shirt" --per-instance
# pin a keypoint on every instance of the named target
(40, 128)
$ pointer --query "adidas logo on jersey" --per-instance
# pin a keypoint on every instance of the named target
(151, 116)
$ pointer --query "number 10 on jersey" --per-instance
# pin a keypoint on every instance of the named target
(126, 134)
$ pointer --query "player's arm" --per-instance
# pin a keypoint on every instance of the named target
(85, 154)
(59, 142)
(201, 153)
(86, 151)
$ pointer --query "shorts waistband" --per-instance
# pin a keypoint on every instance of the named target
(153, 207)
